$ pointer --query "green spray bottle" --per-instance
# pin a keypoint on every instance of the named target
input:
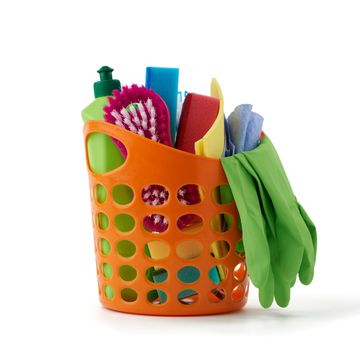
(103, 154)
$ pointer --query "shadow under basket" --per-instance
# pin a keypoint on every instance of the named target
(192, 265)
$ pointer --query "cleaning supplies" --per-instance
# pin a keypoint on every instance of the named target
(245, 128)
(279, 237)
(165, 81)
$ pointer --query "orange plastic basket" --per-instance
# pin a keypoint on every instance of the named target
(149, 163)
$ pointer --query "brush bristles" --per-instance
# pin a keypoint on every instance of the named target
(141, 111)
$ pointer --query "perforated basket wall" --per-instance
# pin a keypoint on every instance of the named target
(125, 269)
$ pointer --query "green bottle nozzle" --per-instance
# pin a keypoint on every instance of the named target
(107, 84)
(105, 73)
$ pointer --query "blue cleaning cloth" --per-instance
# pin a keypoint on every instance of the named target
(245, 128)
(229, 145)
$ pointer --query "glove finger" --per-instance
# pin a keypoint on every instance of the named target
(282, 291)
(310, 225)
(292, 284)
(266, 292)
(281, 286)
(306, 273)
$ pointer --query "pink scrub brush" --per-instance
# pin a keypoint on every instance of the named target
(143, 112)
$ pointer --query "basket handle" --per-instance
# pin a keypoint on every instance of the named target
(108, 129)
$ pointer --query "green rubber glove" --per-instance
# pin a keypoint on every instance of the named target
(282, 283)
(254, 236)
(294, 238)
(288, 230)
(265, 274)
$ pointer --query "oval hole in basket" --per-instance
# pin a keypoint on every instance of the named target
(105, 246)
(104, 153)
(126, 248)
(127, 272)
(222, 194)
(218, 273)
(240, 271)
(129, 295)
(217, 295)
(155, 223)
(190, 194)
(219, 249)
(238, 293)
(156, 274)
(102, 221)
(156, 296)
(124, 223)
(188, 274)
(157, 250)
(99, 193)
(109, 292)
(221, 222)
(188, 297)
(106, 270)
(189, 250)
(155, 195)
(247, 289)
(189, 223)
(122, 194)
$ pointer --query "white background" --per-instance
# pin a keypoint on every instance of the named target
(297, 62)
